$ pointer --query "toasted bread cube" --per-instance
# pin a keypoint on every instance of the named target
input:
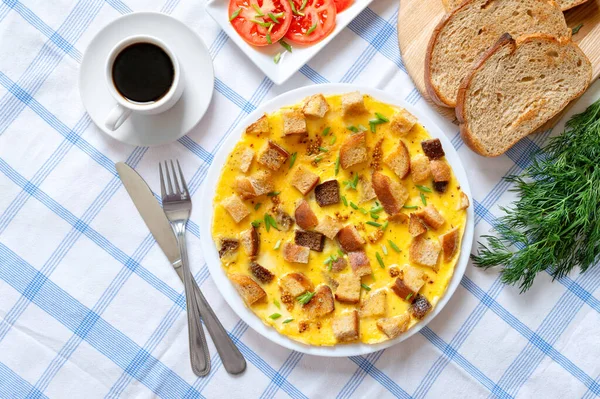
(420, 307)
(261, 273)
(339, 265)
(284, 221)
(315, 106)
(329, 227)
(410, 281)
(293, 122)
(345, 326)
(353, 103)
(348, 289)
(394, 326)
(249, 289)
(245, 159)
(235, 207)
(305, 217)
(442, 174)
(360, 263)
(228, 247)
(250, 241)
(374, 305)
(311, 239)
(273, 155)
(260, 127)
(353, 150)
(366, 190)
(416, 226)
(304, 180)
(463, 202)
(349, 239)
(449, 242)
(402, 122)
(390, 193)
(253, 186)
(295, 284)
(328, 193)
(431, 217)
(295, 253)
(399, 160)
(424, 252)
(320, 304)
(420, 169)
(433, 148)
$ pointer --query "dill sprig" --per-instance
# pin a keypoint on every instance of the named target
(554, 226)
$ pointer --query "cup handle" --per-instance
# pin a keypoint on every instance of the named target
(116, 117)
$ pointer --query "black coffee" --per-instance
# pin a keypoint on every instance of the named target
(143, 72)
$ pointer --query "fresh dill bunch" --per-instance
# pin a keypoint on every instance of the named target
(554, 226)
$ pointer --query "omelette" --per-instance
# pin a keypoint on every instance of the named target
(339, 220)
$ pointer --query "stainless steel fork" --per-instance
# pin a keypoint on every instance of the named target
(178, 207)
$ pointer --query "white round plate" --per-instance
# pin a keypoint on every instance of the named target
(197, 71)
(212, 257)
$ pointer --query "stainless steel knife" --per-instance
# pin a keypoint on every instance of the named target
(159, 226)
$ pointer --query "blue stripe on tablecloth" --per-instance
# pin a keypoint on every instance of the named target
(119, 6)
(313, 75)
(13, 386)
(286, 369)
(169, 6)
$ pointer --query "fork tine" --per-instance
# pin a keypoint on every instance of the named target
(163, 193)
(183, 180)
(168, 178)
(175, 178)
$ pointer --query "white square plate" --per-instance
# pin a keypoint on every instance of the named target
(290, 63)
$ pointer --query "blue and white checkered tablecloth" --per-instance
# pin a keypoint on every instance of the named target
(90, 309)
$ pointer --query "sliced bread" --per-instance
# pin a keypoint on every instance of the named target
(516, 87)
(468, 31)
(450, 5)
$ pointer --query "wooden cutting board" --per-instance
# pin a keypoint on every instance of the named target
(418, 18)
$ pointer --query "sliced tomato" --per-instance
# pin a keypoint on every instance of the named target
(341, 5)
(260, 21)
(311, 23)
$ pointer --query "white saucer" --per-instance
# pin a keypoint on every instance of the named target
(197, 70)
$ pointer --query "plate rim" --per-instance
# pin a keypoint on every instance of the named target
(224, 285)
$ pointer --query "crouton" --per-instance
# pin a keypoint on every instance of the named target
(348, 289)
(321, 303)
(360, 263)
(463, 202)
(402, 122)
(284, 221)
(305, 217)
(249, 289)
(235, 207)
(255, 185)
(390, 193)
(295, 284)
(399, 161)
(353, 103)
(374, 305)
(375, 236)
(293, 122)
(228, 247)
(441, 172)
(349, 239)
(260, 127)
(250, 241)
(409, 283)
(273, 155)
(366, 190)
(327, 193)
(416, 226)
(261, 273)
(394, 271)
(315, 106)
(304, 180)
(433, 148)
(345, 326)
(310, 239)
(353, 150)
(245, 158)
(449, 243)
(339, 265)
(329, 227)
(295, 253)
(420, 169)
(420, 307)
(394, 326)
(431, 217)
(424, 252)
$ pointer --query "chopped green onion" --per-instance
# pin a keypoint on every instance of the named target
(374, 215)
(255, 223)
(326, 131)
(306, 297)
(337, 165)
(372, 223)
(372, 127)
(277, 245)
(385, 225)
(362, 128)
(259, 13)
(376, 209)
(276, 303)
(340, 252)
(275, 316)
(353, 129)
(258, 204)
(410, 206)
(285, 46)
(384, 249)
(423, 188)
(333, 139)
(318, 159)
(381, 117)
(287, 321)
(344, 200)
(304, 2)
(394, 246)
(366, 287)
(273, 193)
(235, 14)
(294, 8)
(261, 23)
(352, 184)
(269, 37)
(277, 58)
(363, 211)
(379, 260)
(408, 296)
(311, 29)
(328, 260)
(293, 159)
(353, 205)
(279, 15)
(575, 30)
(323, 149)
(273, 18)
(270, 222)
(423, 199)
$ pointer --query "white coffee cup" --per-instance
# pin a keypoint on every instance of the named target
(125, 107)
